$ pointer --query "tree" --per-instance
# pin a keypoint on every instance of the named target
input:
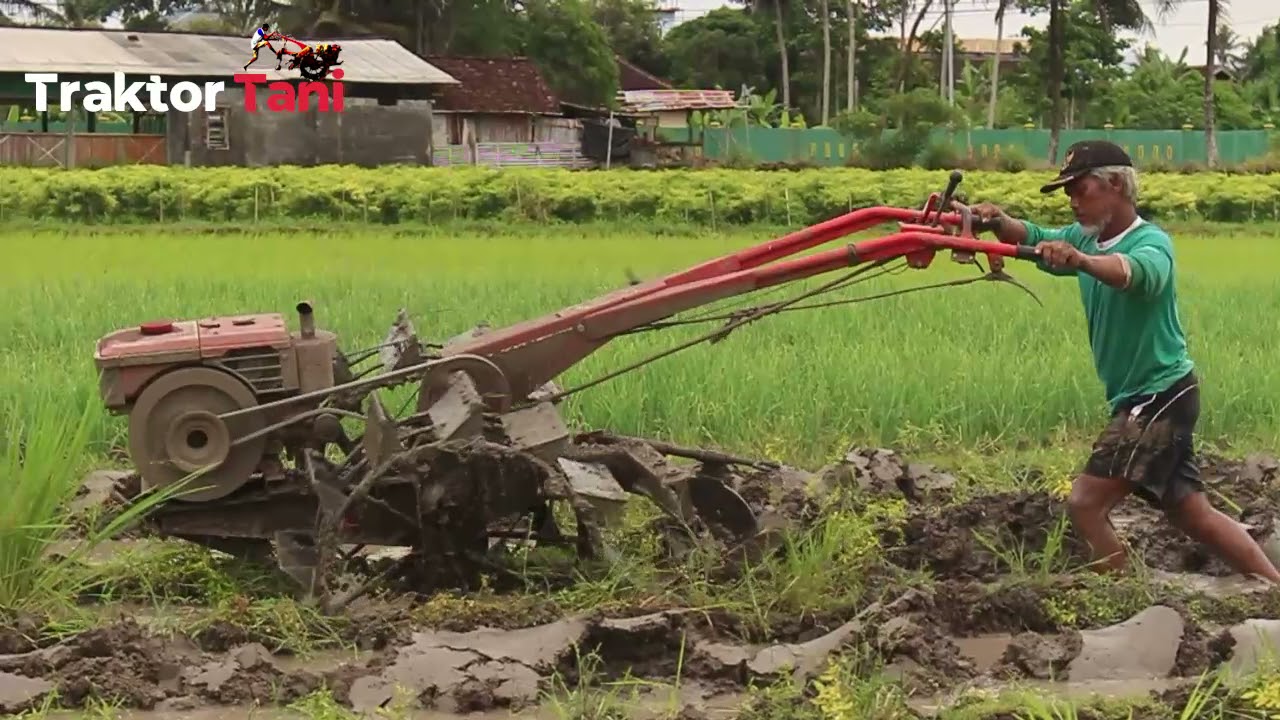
(719, 49)
(1228, 49)
(1210, 56)
(64, 13)
(826, 62)
(851, 95)
(1091, 52)
(1001, 7)
(632, 29)
(780, 25)
(908, 40)
(1113, 15)
(571, 50)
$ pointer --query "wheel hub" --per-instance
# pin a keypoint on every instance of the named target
(174, 431)
(196, 440)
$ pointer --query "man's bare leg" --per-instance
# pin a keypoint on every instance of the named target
(253, 59)
(1089, 507)
(1205, 523)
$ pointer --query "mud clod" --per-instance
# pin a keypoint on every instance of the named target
(784, 492)
(647, 645)
(1043, 657)
(935, 660)
(879, 471)
(19, 634)
(969, 608)
(1202, 650)
(117, 663)
(974, 540)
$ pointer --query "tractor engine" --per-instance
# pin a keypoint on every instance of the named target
(177, 382)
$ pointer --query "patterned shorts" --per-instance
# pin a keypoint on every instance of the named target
(1149, 443)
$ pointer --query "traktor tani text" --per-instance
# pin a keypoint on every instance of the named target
(186, 96)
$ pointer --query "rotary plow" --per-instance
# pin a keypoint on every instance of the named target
(288, 447)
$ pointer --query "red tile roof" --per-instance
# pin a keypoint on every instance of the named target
(631, 77)
(494, 85)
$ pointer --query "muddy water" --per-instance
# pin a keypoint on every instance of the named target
(985, 651)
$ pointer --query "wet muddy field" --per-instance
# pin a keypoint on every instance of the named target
(967, 596)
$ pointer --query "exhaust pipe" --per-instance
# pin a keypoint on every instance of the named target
(306, 320)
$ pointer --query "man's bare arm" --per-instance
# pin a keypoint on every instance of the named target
(1114, 270)
(1010, 231)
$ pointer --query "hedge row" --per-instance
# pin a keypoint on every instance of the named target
(411, 194)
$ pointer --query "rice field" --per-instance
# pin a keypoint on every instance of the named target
(978, 374)
(973, 367)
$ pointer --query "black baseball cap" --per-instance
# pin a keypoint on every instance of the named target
(1085, 156)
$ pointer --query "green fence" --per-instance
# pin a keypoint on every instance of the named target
(824, 146)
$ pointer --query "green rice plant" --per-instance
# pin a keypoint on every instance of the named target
(978, 367)
(44, 457)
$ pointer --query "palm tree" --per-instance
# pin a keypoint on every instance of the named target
(851, 97)
(780, 32)
(908, 39)
(1216, 8)
(782, 51)
(1001, 7)
(1114, 14)
(826, 62)
(1230, 48)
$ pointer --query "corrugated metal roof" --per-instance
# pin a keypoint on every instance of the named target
(26, 49)
(666, 100)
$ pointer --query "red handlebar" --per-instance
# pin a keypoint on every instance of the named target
(535, 351)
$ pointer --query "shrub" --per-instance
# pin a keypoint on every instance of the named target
(432, 195)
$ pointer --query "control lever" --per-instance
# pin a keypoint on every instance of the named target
(952, 184)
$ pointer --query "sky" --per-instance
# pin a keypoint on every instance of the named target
(1184, 28)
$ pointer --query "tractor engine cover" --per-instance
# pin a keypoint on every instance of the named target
(173, 379)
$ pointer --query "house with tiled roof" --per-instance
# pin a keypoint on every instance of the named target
(633, 77)
(501, 112)
(497, 99)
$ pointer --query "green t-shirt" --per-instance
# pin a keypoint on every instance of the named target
(1138, 344)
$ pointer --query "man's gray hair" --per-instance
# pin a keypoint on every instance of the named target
(1128, 179)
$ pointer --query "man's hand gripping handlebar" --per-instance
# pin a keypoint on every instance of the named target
(964, 223)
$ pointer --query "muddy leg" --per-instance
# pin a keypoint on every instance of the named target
(1205, 523)
(1089, 506)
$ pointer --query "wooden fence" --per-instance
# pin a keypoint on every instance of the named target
(495, 154)
(91, 150)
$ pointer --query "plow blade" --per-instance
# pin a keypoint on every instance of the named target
(400, 348)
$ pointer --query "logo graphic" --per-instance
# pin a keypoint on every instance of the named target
(1066, 163)
(314, 65)
(263, 36)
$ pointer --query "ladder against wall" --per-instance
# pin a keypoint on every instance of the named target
(215, 130)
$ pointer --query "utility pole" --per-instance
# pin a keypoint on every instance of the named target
(948, 56)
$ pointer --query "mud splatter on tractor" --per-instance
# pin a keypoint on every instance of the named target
(258, 411)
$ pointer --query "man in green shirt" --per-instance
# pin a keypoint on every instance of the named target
(1125, 269)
